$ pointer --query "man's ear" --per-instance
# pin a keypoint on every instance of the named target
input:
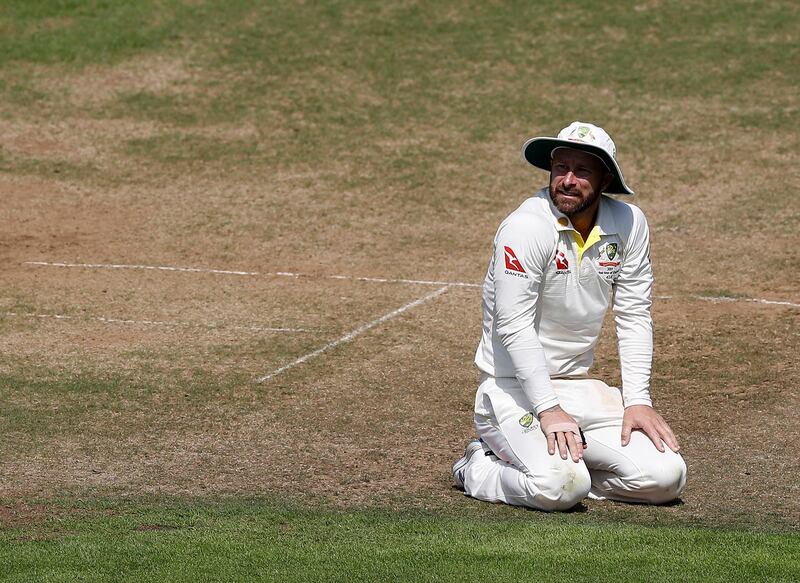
(609, 178)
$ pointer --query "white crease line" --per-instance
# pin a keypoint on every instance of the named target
(357, 332)
(345, 277)
(413, 281)
(251, 273)
(209, 325)
(149, 267)
(751, 300)
(773, 302)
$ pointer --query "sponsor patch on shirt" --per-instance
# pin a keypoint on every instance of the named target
(609, 261)
(562, 264)
(513, 266)
(528, 422)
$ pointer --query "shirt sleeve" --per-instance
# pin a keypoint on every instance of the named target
(522, 252)
(631, 306)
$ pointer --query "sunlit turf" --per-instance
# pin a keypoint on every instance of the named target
(75, 32)
(347, 64)
(244, 541)
(395, 95)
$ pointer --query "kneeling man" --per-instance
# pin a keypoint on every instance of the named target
(549, 433)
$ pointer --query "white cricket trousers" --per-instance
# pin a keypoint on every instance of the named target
(522, 472)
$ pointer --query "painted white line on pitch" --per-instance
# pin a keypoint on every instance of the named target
(209, 325)
(357, 332)
(250, 273)
(147, 267)
(750, 300)
(412, 281)
(346, 277)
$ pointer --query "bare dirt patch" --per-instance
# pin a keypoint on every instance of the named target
(43, 217)
(120, 319)
(21, 514)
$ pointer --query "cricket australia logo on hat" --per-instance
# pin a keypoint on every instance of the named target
(582, 132)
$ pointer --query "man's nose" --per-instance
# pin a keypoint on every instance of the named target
(569, 177)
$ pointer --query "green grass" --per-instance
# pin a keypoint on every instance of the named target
(99, 407)
(472, 65)
(243, 541)
(80, 32)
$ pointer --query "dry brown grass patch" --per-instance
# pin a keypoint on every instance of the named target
(96, 85)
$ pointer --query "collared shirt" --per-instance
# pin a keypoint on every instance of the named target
(547, 291)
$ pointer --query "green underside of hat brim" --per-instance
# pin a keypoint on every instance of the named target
(537, 152)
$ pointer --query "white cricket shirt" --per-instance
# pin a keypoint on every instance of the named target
(547, 291)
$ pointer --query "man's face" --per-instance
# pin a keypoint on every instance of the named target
(577, 179)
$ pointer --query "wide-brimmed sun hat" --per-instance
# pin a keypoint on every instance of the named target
(579, 136)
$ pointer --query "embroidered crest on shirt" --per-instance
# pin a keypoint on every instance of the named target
(607, 254)
(513, 266)
(609, 260)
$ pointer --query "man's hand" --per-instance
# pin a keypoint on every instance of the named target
(560, 428)
(645, 418)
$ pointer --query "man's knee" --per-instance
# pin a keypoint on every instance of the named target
(669, 479)
(661, 480)
(562, 487)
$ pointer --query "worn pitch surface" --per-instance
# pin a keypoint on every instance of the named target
(206, 150)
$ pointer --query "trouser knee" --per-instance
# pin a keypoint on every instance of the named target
(560, 489)
(663, 481)
(669, 480)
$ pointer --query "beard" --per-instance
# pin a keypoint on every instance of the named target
(572, 205)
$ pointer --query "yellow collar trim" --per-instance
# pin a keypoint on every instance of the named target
(594, 237)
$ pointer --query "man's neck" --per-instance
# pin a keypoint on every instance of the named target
(584, 220)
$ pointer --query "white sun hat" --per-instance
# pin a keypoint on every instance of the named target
(579, 136)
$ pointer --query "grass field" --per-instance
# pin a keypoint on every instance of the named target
(196, 195)
(252, 541)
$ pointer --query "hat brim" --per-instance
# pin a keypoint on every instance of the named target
(537, 151)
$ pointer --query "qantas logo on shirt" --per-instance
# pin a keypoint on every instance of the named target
(562, 265)
(512, 262)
